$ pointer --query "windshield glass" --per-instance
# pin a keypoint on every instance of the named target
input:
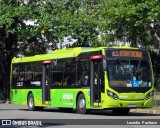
(129, 73)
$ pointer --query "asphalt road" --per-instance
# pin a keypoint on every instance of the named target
(50, 117)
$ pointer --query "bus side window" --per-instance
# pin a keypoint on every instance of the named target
(83, 72)
(14, 74)
(19, 78)
(57, 73)
(29, 77)
(69, 72)
(84, 79)
(37, 71)
(38, 77)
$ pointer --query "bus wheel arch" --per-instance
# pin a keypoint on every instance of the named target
(28, 94)
(81, 103)
(78, 95)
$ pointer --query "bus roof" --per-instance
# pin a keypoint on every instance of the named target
(63, 53)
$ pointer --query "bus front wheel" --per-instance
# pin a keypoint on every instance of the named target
(81, 105)
(122, 111)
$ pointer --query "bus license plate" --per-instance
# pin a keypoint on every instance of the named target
(132, 105)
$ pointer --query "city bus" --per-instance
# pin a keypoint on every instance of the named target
(84, 79)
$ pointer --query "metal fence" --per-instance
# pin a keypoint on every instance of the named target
(156, 98)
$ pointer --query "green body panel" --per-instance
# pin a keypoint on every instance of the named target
(59, 97)
(19, 96)
(67, 97)
(134, 100)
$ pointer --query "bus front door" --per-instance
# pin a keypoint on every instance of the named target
(46, 84)
(96, 82)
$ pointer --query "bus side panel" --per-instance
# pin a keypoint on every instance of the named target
(62, 98)
(37, 93)
(67, 97)
(19, 96)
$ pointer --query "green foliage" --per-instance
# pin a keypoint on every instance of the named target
(156, 64)
(50, 23)
(91, 22)
(130, 21)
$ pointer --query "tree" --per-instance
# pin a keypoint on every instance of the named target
(16, 37)
(30, 27)
(130, 21)
(80, 21)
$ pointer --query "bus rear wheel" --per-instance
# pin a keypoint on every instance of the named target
(81, 105)
(31, 106)
(30, 103)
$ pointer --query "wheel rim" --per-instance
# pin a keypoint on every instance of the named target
(31, 102)
(82, 104)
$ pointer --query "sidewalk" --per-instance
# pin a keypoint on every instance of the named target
(152, 111)
(2, 101)
(2, 98)
(5, 101)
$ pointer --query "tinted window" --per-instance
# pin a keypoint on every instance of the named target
(22, 73)
(129, 73)
(83, 72)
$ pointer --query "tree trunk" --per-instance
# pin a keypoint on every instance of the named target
(158, 38)
(10, 41)
(6, 79)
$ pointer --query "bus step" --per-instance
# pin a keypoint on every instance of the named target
(96, 101)
(47, 103)
(95, 107)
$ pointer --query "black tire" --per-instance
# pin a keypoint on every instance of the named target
(122, 111)
(81, 105)
(30, 102)
(38, 108)
(31, 105)
(65, 109)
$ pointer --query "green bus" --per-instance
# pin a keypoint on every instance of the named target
(83, 79)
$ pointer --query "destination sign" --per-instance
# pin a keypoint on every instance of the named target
(118, 83)
(127, 53)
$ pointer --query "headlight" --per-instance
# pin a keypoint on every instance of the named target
(112, 95)
(149, 95)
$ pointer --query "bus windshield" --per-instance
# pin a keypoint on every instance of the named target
(129, 73)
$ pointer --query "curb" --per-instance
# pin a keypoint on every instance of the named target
(8, 102)
(2, 101)
(151, 111)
